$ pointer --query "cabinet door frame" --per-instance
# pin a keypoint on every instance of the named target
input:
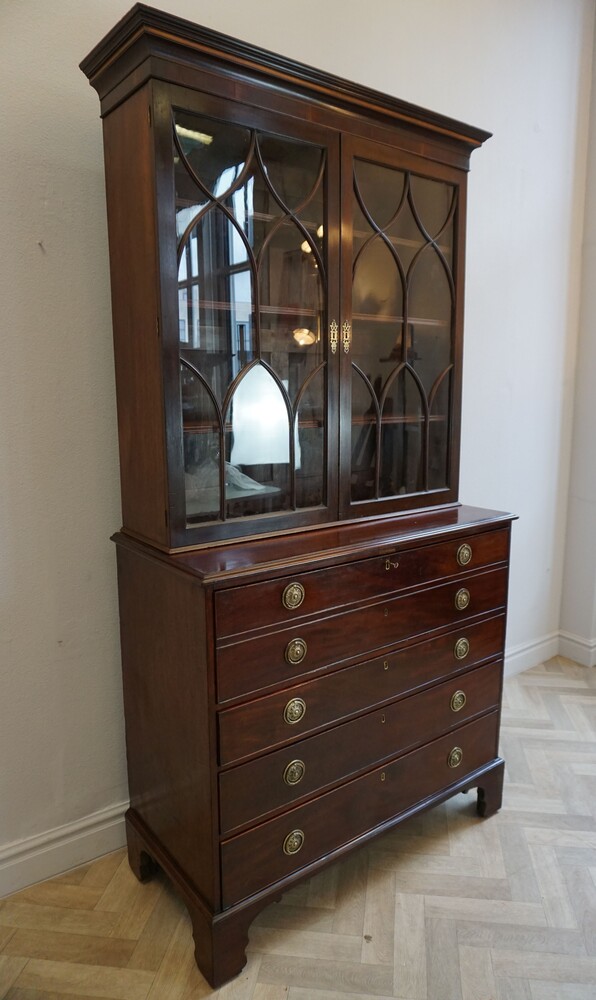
(386, 154)
(166, 98)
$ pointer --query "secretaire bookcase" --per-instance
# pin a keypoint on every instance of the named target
(312, 624)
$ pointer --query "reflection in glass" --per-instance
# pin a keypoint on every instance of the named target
(402, 445)
(403, 327)
(310, 443)
(250, 212)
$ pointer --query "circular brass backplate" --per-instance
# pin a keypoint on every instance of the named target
(462, 599)
(294, 772)
(458, 700)
(294, 711)
(461, 648)
(294, 842)
(464, 554)
(292, 596)
(455, 757)
(295, 651)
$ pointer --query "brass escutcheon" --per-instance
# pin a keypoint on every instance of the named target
(346, 336)
(292, 596)
(295, 651)
(462, 599)
(458, 700)
(294, 711)
(294, 772)
(461, 648)
(294, 842)
(333, 330)
(464, 554)
(455, 757)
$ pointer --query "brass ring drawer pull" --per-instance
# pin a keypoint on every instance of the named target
(295, 651)
(294, 711)
(464, 554)
(458, 700)
(461, 648)
(294, 842)
(455, 757)
(294, 772)
(293, 596)
(462, 599)
(391, 565)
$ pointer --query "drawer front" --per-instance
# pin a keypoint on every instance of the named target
(277, 848)
(256, 663)
(263, 723)
(279, 779)
(240, 609)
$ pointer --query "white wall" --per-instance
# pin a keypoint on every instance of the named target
(521, 69)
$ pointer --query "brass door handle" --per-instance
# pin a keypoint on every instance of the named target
(294, 711)
(294, 842)
(462, 599)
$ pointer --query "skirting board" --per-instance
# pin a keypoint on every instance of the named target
(34, 859)
(575, 648)
(530, 654)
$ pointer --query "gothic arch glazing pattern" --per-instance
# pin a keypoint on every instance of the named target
(403, 314)
(250, 209)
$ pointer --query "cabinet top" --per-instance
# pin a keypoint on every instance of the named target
(254, 558)
(145, 40)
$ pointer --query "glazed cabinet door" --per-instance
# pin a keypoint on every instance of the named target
(402, 251)
(249, 214)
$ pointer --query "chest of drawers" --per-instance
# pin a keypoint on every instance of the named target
(288, 699)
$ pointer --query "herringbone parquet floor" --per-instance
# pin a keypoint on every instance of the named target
(447, 907)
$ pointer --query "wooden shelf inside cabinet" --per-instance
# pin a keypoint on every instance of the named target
(312, 633)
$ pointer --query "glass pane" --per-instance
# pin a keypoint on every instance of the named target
(215, 152)
(438, 451)
(292, 168)
(310, 445)
(364, 439)
(429, 351)
(432, 201)
(380, 189)
(258, 447)
(377, 289)
(291, 314)
(215, 302)
(201, 440)
(430, 295)
(402, 447)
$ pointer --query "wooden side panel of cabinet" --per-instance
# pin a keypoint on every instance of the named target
(134, 275)
(169, 728)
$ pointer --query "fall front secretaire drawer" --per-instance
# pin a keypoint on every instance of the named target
(240, 609)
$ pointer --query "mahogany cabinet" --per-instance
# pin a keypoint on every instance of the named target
(312, 624)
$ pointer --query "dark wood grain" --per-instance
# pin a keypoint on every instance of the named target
(259, 725)
(340, 816)
(170, 733)
(134, 271)
(249, 792)
(255, 664)
(259, 605)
